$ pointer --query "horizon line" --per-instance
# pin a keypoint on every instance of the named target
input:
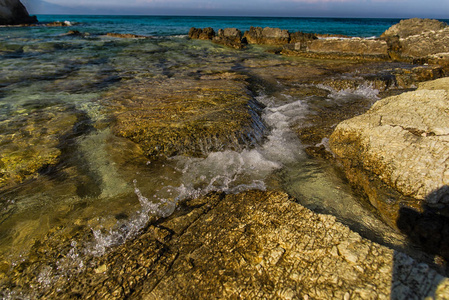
(227, 16)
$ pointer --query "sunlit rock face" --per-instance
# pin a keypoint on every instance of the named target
(403, 142)
(13, 12)
(249, 245)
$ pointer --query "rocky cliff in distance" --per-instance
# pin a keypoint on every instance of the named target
(13, 12)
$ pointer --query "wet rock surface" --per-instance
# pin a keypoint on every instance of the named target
(160, 98)
(31, 141)
(254, 244)
(187, 116)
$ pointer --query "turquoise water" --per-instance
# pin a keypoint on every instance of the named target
(176, 25)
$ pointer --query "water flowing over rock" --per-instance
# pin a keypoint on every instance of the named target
(185, 116)
(403, 141)
(250, 245)
(13, 12)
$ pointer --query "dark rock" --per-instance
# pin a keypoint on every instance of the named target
(301, 37)
(202, 34)
(230, 37)
(267, 36)
(13, 12)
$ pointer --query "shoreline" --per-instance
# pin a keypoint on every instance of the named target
(227, 109)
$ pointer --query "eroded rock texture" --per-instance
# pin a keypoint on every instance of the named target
(250, 245)
(403, 142)
(186, 116)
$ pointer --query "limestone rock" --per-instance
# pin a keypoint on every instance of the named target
(13, 12)
(426, 44)
(126, 35)
(397, 153)
(249, 245)
(402, 139)
(231, 37)
(267, 35)
(421, 40)
(188, 116)
(415, 26)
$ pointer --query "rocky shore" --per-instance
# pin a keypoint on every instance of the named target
(389, 138)
(250, 245)
(412, 40)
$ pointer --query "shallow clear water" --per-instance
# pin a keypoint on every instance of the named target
(51, 91)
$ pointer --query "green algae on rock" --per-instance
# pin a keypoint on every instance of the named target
(186, 116)
(30, 141)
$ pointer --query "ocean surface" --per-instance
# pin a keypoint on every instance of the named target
(64, 172)
(178, 25)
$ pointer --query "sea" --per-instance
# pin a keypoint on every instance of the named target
(180, 25)
(57, 176)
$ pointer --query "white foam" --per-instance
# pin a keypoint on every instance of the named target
(227, 171)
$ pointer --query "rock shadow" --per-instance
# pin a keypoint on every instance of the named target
(428, 229)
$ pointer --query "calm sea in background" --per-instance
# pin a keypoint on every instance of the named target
(180, 25)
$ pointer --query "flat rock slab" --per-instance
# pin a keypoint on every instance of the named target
(186, 116)
(252, 245)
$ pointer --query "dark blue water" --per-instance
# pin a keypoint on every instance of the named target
(176, 25)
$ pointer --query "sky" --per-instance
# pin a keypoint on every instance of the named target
(288, 8)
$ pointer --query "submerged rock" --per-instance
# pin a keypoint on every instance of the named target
(13, 12)
(403, 142)
(31, 141)
(249, 245)
(126, 35)
(187, 116)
